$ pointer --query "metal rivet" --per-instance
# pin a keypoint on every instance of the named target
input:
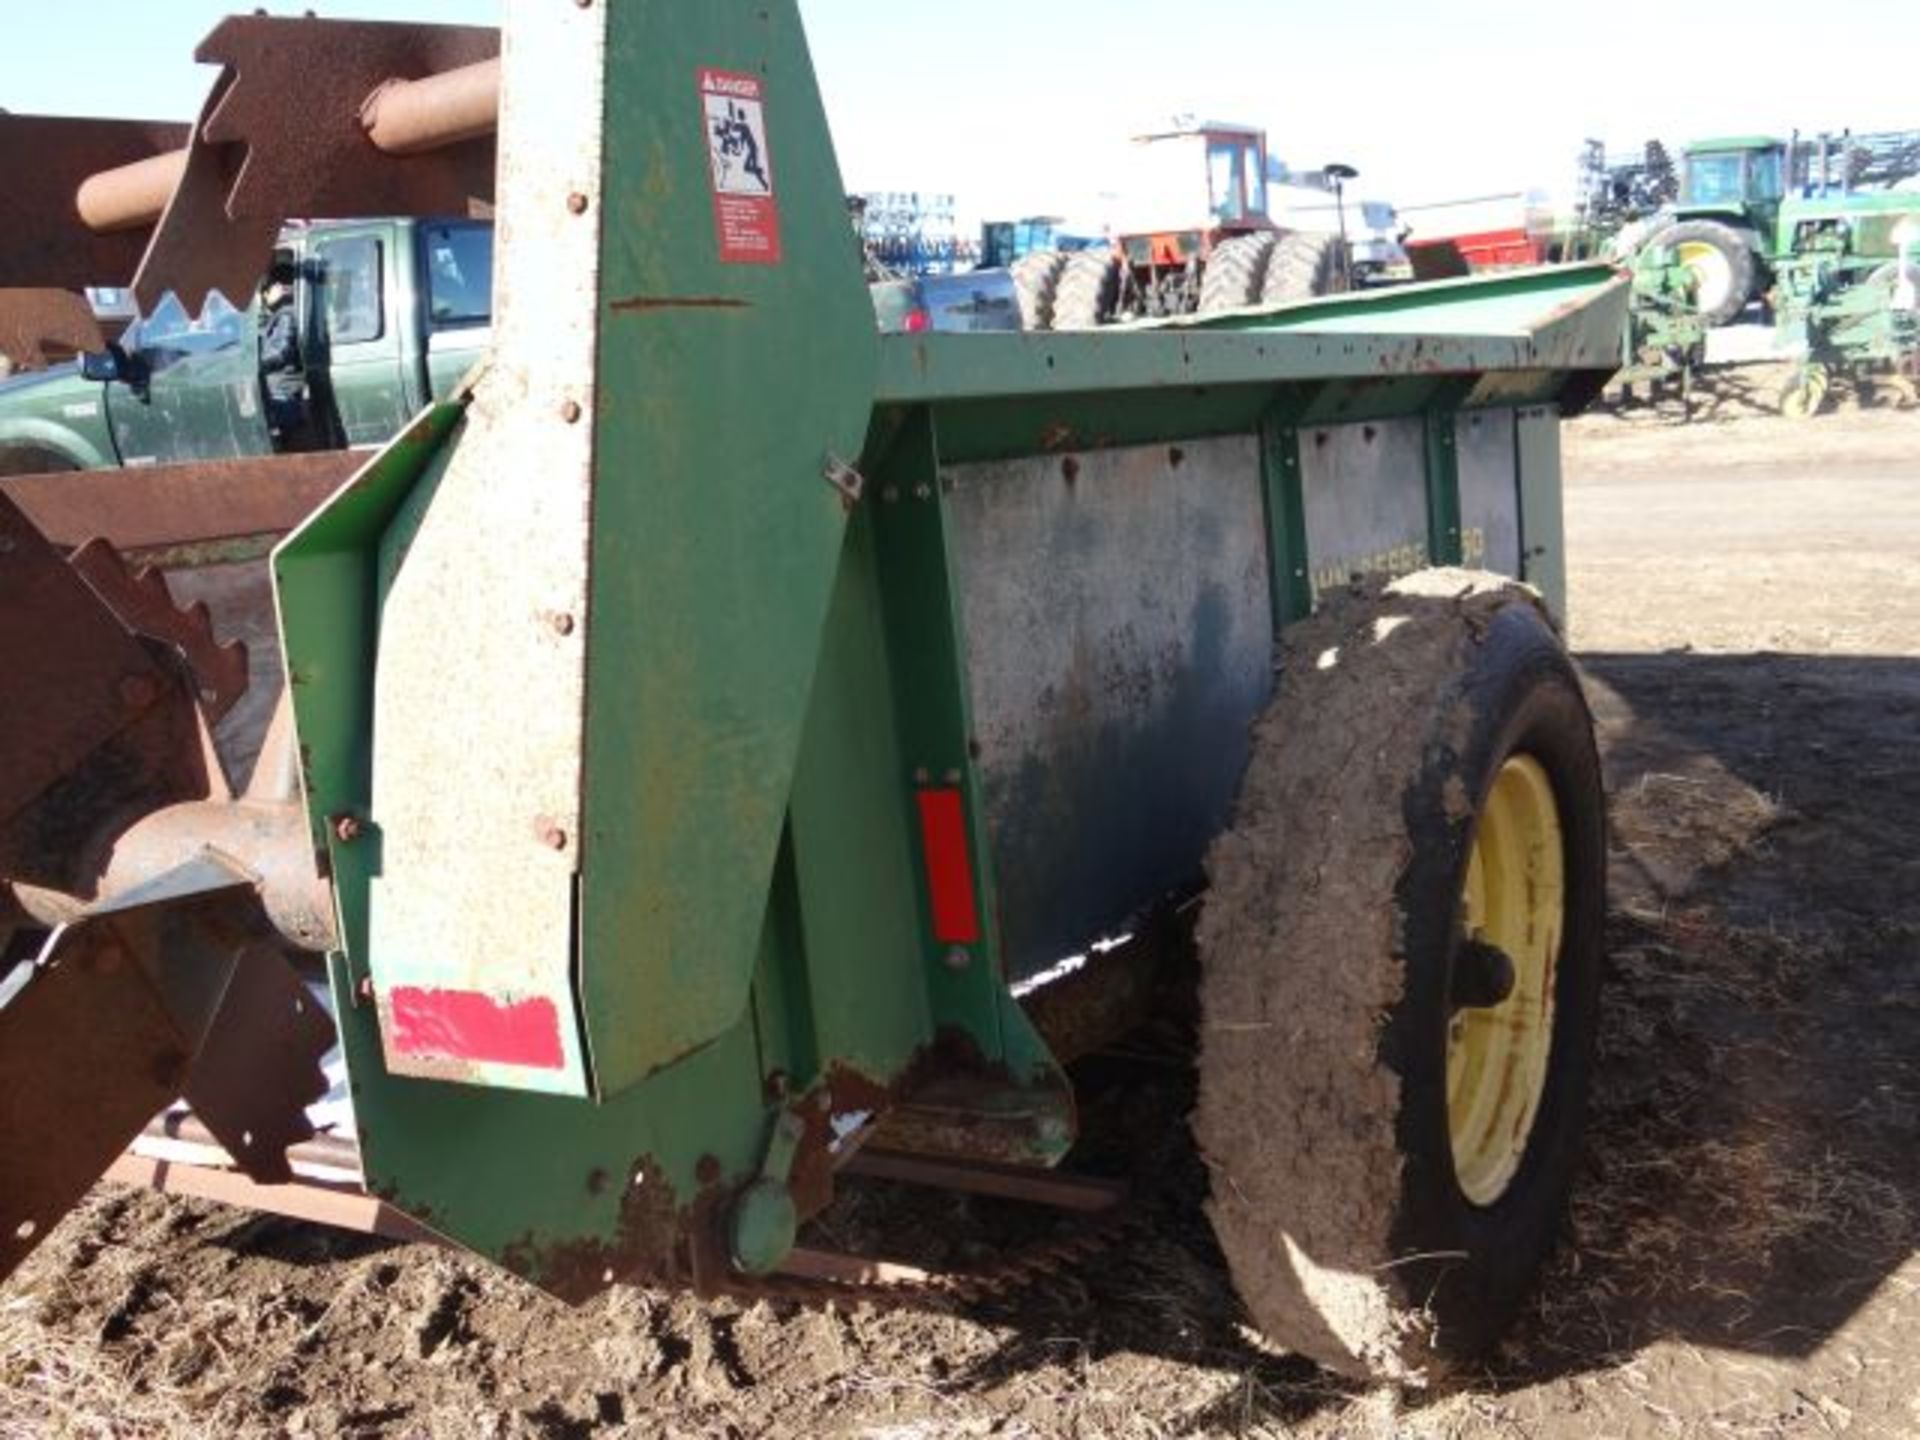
(891, 494)
(570, 412)
(551, 835)
(577, 203)
(923, 776)
(562, 623)
(923, 492)
(953, 777)
(959, 958)
(347, 828)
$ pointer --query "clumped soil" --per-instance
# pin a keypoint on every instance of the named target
(1740, 1259)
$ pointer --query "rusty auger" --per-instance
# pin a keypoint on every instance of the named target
(170, 903)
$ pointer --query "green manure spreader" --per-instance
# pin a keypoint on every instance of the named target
(720, 749)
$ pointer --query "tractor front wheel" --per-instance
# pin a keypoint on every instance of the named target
(1721, 262)
(1401, 955)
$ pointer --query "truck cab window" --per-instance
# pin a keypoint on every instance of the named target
(350, 274)
(459, 261)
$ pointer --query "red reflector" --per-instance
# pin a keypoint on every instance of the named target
(466, 1025)
(943, 835)
(918, 322)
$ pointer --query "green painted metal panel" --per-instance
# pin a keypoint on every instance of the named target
(716, 537)
(854, 843)
(1289, 579)
(327, 587)
(1558, 319)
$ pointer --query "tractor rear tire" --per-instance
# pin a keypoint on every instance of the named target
(1303, 267)
(1088, 288)
(1234, 273)
(1724, 267)
(1390, 1135)
(1036, 277)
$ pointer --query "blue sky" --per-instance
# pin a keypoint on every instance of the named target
(1016, 104)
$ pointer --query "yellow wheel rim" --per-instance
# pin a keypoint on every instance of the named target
(1515, 901)
(1712, 274)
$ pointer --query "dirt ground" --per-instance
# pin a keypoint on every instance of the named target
(1741, 1256)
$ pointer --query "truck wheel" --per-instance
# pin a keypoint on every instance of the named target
(1401, 956)
(1303, 267)
(1234, 272)
(1088, 287)
(1722, 263)
(1035, 279)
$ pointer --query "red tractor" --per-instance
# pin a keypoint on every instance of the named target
(1193, 235)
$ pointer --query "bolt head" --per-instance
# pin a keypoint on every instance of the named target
(551, 835)
(959, 958)
(576, 203)
(563, 624)
(570, 412)
(347, 828)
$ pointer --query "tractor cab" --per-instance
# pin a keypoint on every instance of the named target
(1190, 187)
(1746, 175)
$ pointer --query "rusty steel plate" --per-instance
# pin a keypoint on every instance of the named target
(97, 728)
(162, 507)
(281, 136)
(39, 328)
(144, 605)
(43, 161)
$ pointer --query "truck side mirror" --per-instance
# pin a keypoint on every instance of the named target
(102, 366)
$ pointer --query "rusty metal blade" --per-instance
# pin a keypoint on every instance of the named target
(259, 1068)
(93, 728)
(146, 607)
(88, 1052)
(39, 328)
(163, 507)
(172, 988)
(282, 137)
(43, 161)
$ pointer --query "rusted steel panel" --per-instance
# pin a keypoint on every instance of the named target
(164, 506)
(43, 162)
(282, 136)
(144, 605)
(39, 328)
(342, 1208)
(110, 730)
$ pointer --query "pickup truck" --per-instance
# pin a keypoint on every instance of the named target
(390, 314)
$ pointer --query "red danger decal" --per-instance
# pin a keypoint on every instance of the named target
(466, 1025)
(745, 212)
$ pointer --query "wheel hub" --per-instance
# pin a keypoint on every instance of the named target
(1500, 1038)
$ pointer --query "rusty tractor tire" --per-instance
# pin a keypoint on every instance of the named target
(1724, 266)
(1036, 279)
(1234, 273)
(1088, 289)
(1303, 267)
(1379, 1213)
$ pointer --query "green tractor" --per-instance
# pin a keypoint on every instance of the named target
(1749, 204)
